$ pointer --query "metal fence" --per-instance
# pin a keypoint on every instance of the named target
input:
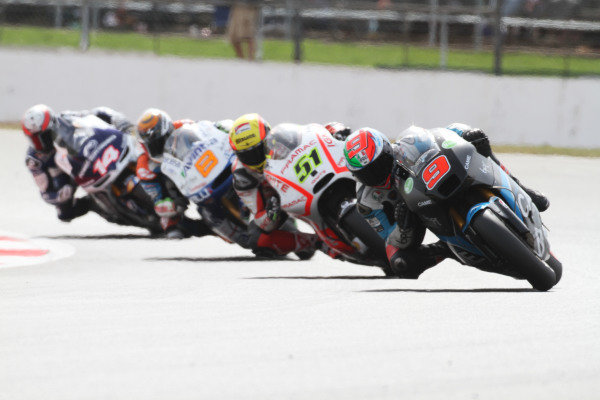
(556, 37)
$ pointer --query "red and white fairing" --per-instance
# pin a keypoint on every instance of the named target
(313, 162)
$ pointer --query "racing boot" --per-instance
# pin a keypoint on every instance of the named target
(410, 264)
(68, 211)
(282, 242)
(308, 249)
(541, 202)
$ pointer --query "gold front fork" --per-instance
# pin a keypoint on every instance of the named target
(458, 219)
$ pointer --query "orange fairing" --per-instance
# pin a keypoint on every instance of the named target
(180, 122)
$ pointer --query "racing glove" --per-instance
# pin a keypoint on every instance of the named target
(480, 140)
(165, 208)
(273, 208)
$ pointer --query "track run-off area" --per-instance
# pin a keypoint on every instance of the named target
(116, 315)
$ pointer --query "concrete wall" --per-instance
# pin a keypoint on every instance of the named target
(560, 112)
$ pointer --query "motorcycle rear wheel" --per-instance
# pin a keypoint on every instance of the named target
(508, 246)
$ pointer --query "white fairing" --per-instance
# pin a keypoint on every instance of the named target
(202, 152)
(295, 175)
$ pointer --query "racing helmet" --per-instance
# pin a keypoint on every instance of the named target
(369, 157)
(247, 137)
(38, 124)
(338, 130)
(154, 127)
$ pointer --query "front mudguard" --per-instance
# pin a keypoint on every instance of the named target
(500, 208)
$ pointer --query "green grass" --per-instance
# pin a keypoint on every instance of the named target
(547, 150)
(314, 51)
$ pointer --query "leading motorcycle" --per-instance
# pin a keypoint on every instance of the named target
(472, 204)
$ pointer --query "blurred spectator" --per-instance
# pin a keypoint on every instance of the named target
(220, 18)
(242, 26)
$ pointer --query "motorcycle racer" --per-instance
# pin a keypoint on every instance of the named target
(154, 128)
(370, 157)
(42, 125)
(247, 139)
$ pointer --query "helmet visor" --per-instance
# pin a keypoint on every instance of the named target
(253, 157)
(156, 146)
(376, 173)
(42, 141)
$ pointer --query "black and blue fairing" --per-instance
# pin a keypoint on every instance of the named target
(467, 169)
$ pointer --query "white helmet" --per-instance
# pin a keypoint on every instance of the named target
(38, 123)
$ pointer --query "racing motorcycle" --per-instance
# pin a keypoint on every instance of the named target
(101, 160)
(306, 166)
(473, 205)
(198, 160)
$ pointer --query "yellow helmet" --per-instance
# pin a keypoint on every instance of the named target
(246, 138)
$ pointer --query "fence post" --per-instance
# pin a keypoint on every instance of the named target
(260, 34)
(433, 20)
(84, 42)
(58, 15)
(2, 21)
(498, 38)
(478, 29)
(297, 32)
(444, 41)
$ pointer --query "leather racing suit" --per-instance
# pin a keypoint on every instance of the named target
(268, 229)
(55, 185)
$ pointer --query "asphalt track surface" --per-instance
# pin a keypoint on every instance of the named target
(126, 317)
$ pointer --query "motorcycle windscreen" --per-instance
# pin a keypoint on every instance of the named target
(282, 140)
(416, 149)
(178, 144)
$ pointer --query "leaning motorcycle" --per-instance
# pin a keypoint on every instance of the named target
(102, 162)
(198, 160)
(474, 206)
(306, 166)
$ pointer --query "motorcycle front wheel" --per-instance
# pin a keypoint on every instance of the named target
(508, 246)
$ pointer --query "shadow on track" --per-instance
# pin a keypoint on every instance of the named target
(490, 290)
(346, 277)
(127, 236)
(217, 259)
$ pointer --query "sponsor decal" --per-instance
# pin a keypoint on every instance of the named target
(408, 185)
(242, 128)
(374, 222)
(468, 162)
(277, 184)
(432, 221)
(202, 195)
(296, 153)
(89, 148)
(328, 140)
(243, 138)
(484, 168)
(378, 196)
(448, 144)
(425, 203)
(294, 202)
